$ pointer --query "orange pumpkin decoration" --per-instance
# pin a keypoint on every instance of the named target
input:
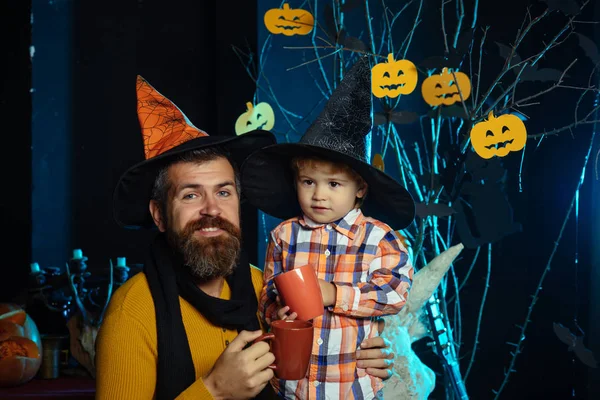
(260, 116)
(393, 78)
(443, 89)
(378, 162)
(498, 136)
(20, 346)
(289, 22)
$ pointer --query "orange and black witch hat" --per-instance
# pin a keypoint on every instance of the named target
(168, 133)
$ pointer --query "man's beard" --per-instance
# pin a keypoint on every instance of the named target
(207, 257)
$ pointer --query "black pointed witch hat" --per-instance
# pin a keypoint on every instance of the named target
(337, 134)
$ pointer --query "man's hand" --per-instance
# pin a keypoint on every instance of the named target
(376, 357)
(241, 373)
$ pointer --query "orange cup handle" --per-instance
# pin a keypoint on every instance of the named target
(266, 336)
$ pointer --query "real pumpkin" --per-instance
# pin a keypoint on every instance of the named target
(289, 21)
(20, 346)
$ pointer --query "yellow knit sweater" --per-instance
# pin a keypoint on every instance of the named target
(126, 354)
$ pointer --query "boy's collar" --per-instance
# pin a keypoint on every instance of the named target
(347, 225)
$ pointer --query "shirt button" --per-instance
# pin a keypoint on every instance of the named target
(319, 341)
(327, 252)
(345, 307)
(328, 227)
(224, 330)
(227, 343)
(316, 383)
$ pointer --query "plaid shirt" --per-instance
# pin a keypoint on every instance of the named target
(369, 265)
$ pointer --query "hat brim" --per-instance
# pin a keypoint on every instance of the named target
(133, 191)
(268, 183)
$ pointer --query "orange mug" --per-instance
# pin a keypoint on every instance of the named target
(299, 290)
(291, 343)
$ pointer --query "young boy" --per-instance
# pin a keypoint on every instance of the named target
(320, 188)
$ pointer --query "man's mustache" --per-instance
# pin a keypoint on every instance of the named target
(213, 222)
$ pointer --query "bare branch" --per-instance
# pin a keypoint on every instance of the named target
(538, 289)
(480, 317)
(461, 16)
(408, 39)
(444, 2)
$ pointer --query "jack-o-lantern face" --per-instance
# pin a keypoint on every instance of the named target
(260, 116)
(393, 78)
(444, 88)
(20, 346)
(498, 136)
(289, 22)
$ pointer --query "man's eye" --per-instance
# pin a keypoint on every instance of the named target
(190, 196)
(224, 193)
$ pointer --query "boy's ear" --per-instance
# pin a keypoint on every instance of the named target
(362, 191)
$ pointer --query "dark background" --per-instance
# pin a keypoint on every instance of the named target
(76, 131)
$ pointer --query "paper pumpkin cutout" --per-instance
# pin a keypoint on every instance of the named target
(393, 78)
(260, 116)
(289, 21)
(441, 88)
(498, 136)
(378, 162)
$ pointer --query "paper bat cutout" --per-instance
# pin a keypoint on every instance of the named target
(397, 117)
(483, 211)
(439, 210)
(589, 48)
(568, 7)
(575, 345)
(454, 58)
(531, 73)
(453, 111)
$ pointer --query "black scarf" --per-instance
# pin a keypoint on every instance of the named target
(168, 280)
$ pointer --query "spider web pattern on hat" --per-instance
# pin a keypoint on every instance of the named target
(163, 124)
(347, 117)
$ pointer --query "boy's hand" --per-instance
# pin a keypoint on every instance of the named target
(282, 312)
(329, 292)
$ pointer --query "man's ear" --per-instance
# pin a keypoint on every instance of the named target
(157, 215)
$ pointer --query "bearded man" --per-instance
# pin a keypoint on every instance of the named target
(183, 327)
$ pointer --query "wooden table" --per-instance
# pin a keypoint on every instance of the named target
(61, 388)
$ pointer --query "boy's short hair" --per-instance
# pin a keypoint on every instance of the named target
(299, 162)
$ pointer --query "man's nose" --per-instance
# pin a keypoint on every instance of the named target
(211, 207)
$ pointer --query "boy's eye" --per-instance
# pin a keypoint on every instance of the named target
(334, 184)
(307, 182)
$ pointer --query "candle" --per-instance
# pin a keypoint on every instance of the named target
(35, 268)
(121, 262)
(77, 253)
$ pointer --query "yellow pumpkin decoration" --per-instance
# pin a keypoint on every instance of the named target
(260, 116)
(289, 21)
(498, 136)
(378, 162)
(393, 78)
(442, 89)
